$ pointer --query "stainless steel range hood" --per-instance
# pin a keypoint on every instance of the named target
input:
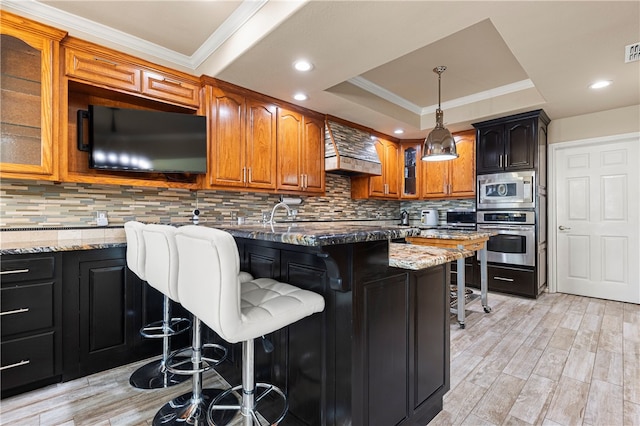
(349, 151)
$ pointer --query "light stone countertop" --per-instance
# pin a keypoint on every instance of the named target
(417, 257)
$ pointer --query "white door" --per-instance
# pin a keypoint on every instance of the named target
(597, 203)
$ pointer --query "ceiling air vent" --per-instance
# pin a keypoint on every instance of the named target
(632, 52)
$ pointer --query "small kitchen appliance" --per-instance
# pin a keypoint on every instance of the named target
(404, 218)
(429, 218)
(515, 190)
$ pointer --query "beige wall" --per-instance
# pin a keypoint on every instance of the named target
(604, 123)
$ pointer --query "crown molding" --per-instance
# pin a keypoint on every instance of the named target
(68, 21)
(389, 96)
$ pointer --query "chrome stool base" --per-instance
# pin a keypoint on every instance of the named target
(160, 329)
(227, 407)
(154, 375)
(211, 355)
(184, 410)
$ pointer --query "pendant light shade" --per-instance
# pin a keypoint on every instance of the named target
(439, 145)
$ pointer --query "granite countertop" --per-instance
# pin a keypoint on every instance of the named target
(319, 233)
(416, 257)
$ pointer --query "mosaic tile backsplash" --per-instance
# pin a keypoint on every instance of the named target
(35, 204)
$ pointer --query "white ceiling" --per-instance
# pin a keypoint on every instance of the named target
(373, 60)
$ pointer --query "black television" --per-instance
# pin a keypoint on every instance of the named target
(146, 141)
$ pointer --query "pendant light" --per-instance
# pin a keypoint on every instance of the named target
(439, 145)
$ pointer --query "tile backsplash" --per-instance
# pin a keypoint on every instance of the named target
(41, 204)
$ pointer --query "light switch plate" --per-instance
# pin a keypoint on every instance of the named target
(101, 218)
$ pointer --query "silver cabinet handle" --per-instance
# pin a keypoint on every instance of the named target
(15, 271)
(563, 228)
(244, 175)
(500, 160)
(15, 311)
(17, 364)
(503, 279)
(250, 179)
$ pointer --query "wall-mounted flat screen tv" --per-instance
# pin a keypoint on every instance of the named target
(146, 141)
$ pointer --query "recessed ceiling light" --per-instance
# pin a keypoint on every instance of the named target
(303, 65)
(300, 97)
(600, 84)
(398, 131)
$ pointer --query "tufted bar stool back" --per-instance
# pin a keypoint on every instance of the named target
(238, 311)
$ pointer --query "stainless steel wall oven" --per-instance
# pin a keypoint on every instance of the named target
(515, 241)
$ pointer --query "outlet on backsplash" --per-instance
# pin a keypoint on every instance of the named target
(101, 218)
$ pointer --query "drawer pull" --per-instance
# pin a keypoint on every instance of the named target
(106, 61)
(15, 271)
(17, 364)
(15, 311)
(503, 279)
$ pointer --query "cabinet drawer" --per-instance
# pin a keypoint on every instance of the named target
(512, 280)
(28, 269)
(27, 360)
(170, 89)
(26, 308)
(102, 70)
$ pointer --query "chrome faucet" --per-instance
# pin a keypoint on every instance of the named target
(280, 204)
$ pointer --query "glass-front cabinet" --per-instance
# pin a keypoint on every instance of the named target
(410, 158)
(28, 99)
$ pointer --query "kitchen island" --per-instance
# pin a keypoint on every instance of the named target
(379, 353)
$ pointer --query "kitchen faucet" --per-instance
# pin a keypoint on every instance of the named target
(280, 204)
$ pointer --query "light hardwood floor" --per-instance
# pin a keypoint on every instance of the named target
(558, 360)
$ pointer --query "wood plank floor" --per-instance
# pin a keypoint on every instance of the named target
(558, 360)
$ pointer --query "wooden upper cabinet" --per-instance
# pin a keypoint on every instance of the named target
(29, 98)
(242, 141)
(103, 70)
(168, 88)
(388, 184)
(103, 67)
(300, 161)
(453, 178)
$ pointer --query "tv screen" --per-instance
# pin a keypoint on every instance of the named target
(147, 141)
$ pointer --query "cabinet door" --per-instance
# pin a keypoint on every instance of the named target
(106, 310)
(162, 86)
(490, 153)
(313, 155)
(28, 99)
(377, 184)
(411, 169)
(103, 70)
(520, 145)
(435, 179)
(392, 164)
(261, 144)
(462, 170)
(290, 132)
(227, 130)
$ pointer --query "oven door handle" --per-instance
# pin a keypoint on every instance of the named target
(506, 227)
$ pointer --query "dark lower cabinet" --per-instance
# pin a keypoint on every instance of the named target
(105, 306)
(377, 355)
(31, 299)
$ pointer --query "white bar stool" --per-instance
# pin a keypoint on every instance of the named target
(153, 375)
(209, 287)
(161, 268)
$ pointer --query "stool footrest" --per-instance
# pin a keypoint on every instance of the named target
(219, 408)
(161, 329)
(218, 354)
